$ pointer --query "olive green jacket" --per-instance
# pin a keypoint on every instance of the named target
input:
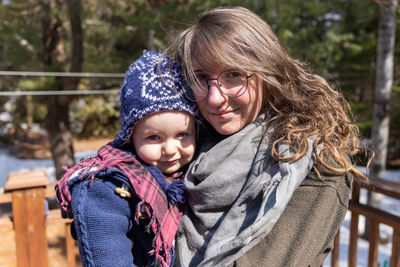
(304, 234)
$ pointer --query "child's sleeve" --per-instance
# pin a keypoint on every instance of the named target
(102, 222)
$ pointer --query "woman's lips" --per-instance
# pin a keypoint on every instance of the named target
(222, 114)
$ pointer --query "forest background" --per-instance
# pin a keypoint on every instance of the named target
(336, 38)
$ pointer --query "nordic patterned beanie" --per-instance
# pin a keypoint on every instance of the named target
(152, 83)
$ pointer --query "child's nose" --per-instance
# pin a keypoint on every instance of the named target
(169, 147)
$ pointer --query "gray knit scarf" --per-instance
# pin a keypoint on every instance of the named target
(236, 193)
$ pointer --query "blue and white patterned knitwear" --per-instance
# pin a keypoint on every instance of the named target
(151, 84)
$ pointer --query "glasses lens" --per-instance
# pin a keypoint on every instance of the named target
(199, 89)
(233, 82)
(199, 94)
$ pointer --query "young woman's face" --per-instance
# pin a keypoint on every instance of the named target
(229, 115)
(165, 139)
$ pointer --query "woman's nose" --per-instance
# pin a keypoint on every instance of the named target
(215, 96)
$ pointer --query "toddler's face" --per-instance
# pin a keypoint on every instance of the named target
(165, 139)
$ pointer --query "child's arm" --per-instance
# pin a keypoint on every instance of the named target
(102, 221)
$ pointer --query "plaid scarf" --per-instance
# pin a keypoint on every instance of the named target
(164, 217)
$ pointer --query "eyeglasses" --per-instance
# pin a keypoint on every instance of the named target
(232, 83)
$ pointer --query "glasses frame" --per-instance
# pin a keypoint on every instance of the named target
(219, 88)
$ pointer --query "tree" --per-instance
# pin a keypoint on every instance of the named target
(57, 119)
(383, 88)
(383, 85)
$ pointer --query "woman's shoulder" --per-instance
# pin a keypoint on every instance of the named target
(324, 173)
(325, 183)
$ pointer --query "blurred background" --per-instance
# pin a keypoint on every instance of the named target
(63, 61)
(337, 39)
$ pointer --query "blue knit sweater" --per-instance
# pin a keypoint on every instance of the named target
(106, 231)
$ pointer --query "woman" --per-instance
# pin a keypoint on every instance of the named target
(273, 190)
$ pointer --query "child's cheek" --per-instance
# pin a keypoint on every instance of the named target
(149, 153)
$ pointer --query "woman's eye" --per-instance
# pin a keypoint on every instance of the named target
(153, 137)
(233, 74)
(201, 77)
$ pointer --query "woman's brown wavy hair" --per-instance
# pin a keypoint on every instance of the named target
(300, 104)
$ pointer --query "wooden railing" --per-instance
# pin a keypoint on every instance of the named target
(27, 192)
(376, 217)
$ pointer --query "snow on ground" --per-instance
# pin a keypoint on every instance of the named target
(10, 164)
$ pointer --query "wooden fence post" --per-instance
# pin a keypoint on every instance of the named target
(28, 196)
(335, 251)
(354, 227)
(395, 260)
(70, 246)
(373, 243)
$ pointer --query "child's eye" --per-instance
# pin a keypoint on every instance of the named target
(182, 135)
(153, 137)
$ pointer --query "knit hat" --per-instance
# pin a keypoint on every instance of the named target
(152, 83)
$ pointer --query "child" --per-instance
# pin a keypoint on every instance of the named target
(124, 201)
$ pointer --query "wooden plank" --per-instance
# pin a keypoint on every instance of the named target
(353, 239)
(373, 243)
(375, 214)
(335, 251)
(70, 246)
(20, 226)
(395, 259)
(352, 257)
(22, 180)
(6, 224)
(54, 217)
(36, 218)
(29, 224)
(388, 188)
(5, 198)
(50, 191)
(355, 193)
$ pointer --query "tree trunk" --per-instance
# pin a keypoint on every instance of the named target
(58, 128)
(57, 120)
(74, 13)
(383, 88)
